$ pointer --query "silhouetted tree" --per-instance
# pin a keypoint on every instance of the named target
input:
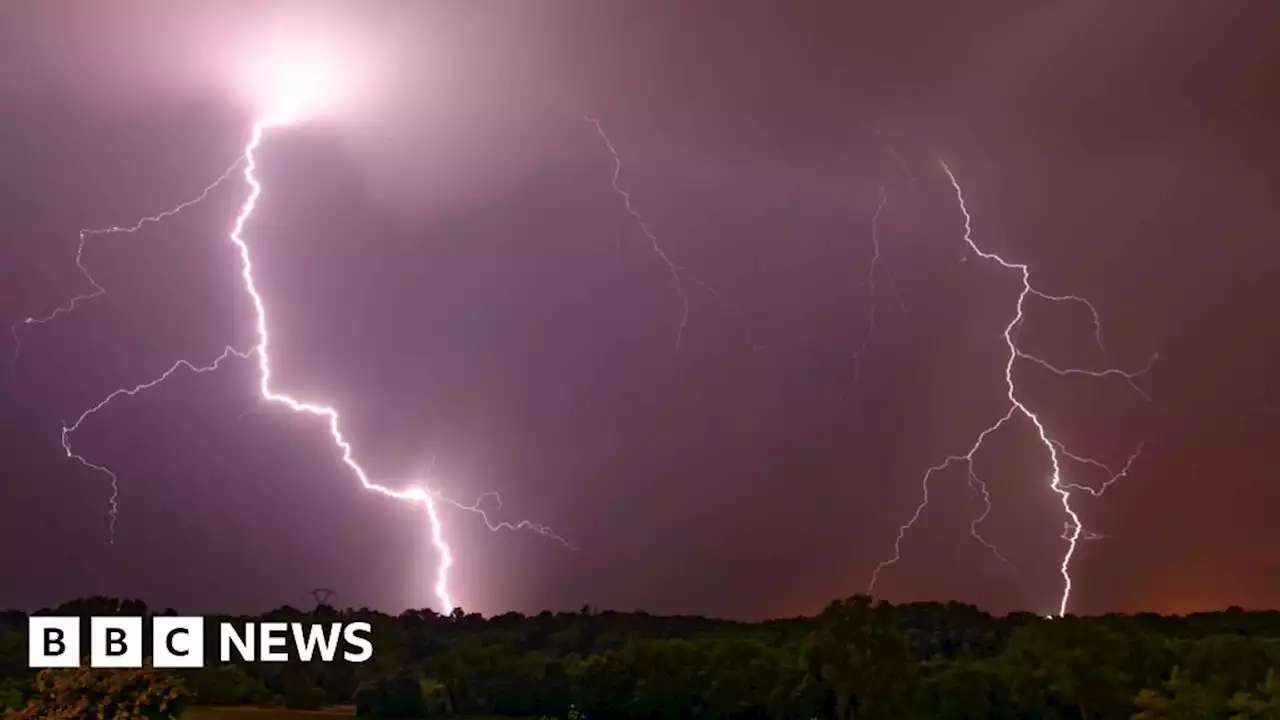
(104, 694)
(857, 659)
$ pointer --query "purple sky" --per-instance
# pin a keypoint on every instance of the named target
(447, 263)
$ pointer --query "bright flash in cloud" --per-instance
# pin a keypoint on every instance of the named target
(298, 81)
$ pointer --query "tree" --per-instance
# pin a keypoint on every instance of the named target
(858, 660)
(104, 694)
(11, 695)
(1078, 666)
(1178, 699)
(743, 679)
(962, 689)
(1226, 662)
(858, 652)
(435, 697)
(668, 675)
(300, 692)
(225, 685)
(602, 684)
(1265, 705)
(398, 697)
(15, 677)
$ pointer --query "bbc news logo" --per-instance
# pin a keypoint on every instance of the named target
(178, 642)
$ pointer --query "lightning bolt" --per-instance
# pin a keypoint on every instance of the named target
(1074, 529)
(678, 276)
(98, 290)
(534, 527)
(902, 165)
(877, 261)
(1112, 475)
(416, 492)
(67, 430)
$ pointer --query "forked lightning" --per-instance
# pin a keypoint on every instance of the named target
(1074, 532)
(414, 492)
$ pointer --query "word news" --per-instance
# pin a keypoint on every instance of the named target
(178, 642)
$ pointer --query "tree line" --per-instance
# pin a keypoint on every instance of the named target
(858, 659)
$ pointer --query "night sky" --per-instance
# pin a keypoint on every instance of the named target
(447, 262)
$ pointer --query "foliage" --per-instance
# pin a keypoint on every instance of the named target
(435, 697)
(860, 655)
(400, 696)
(1177, 699)
(260, 713)
(1261, 705)
(104, 694)
(857, 660)
(299, 692)
(11, 695)
(225, 685)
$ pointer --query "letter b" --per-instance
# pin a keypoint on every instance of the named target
(115, 642)
(53, 642)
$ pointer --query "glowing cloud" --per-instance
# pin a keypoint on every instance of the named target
(297, 75)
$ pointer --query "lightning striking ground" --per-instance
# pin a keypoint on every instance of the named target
(416, 492)
(678, 275)
(1074, 529)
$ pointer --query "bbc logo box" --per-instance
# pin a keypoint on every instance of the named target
(179, 642)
